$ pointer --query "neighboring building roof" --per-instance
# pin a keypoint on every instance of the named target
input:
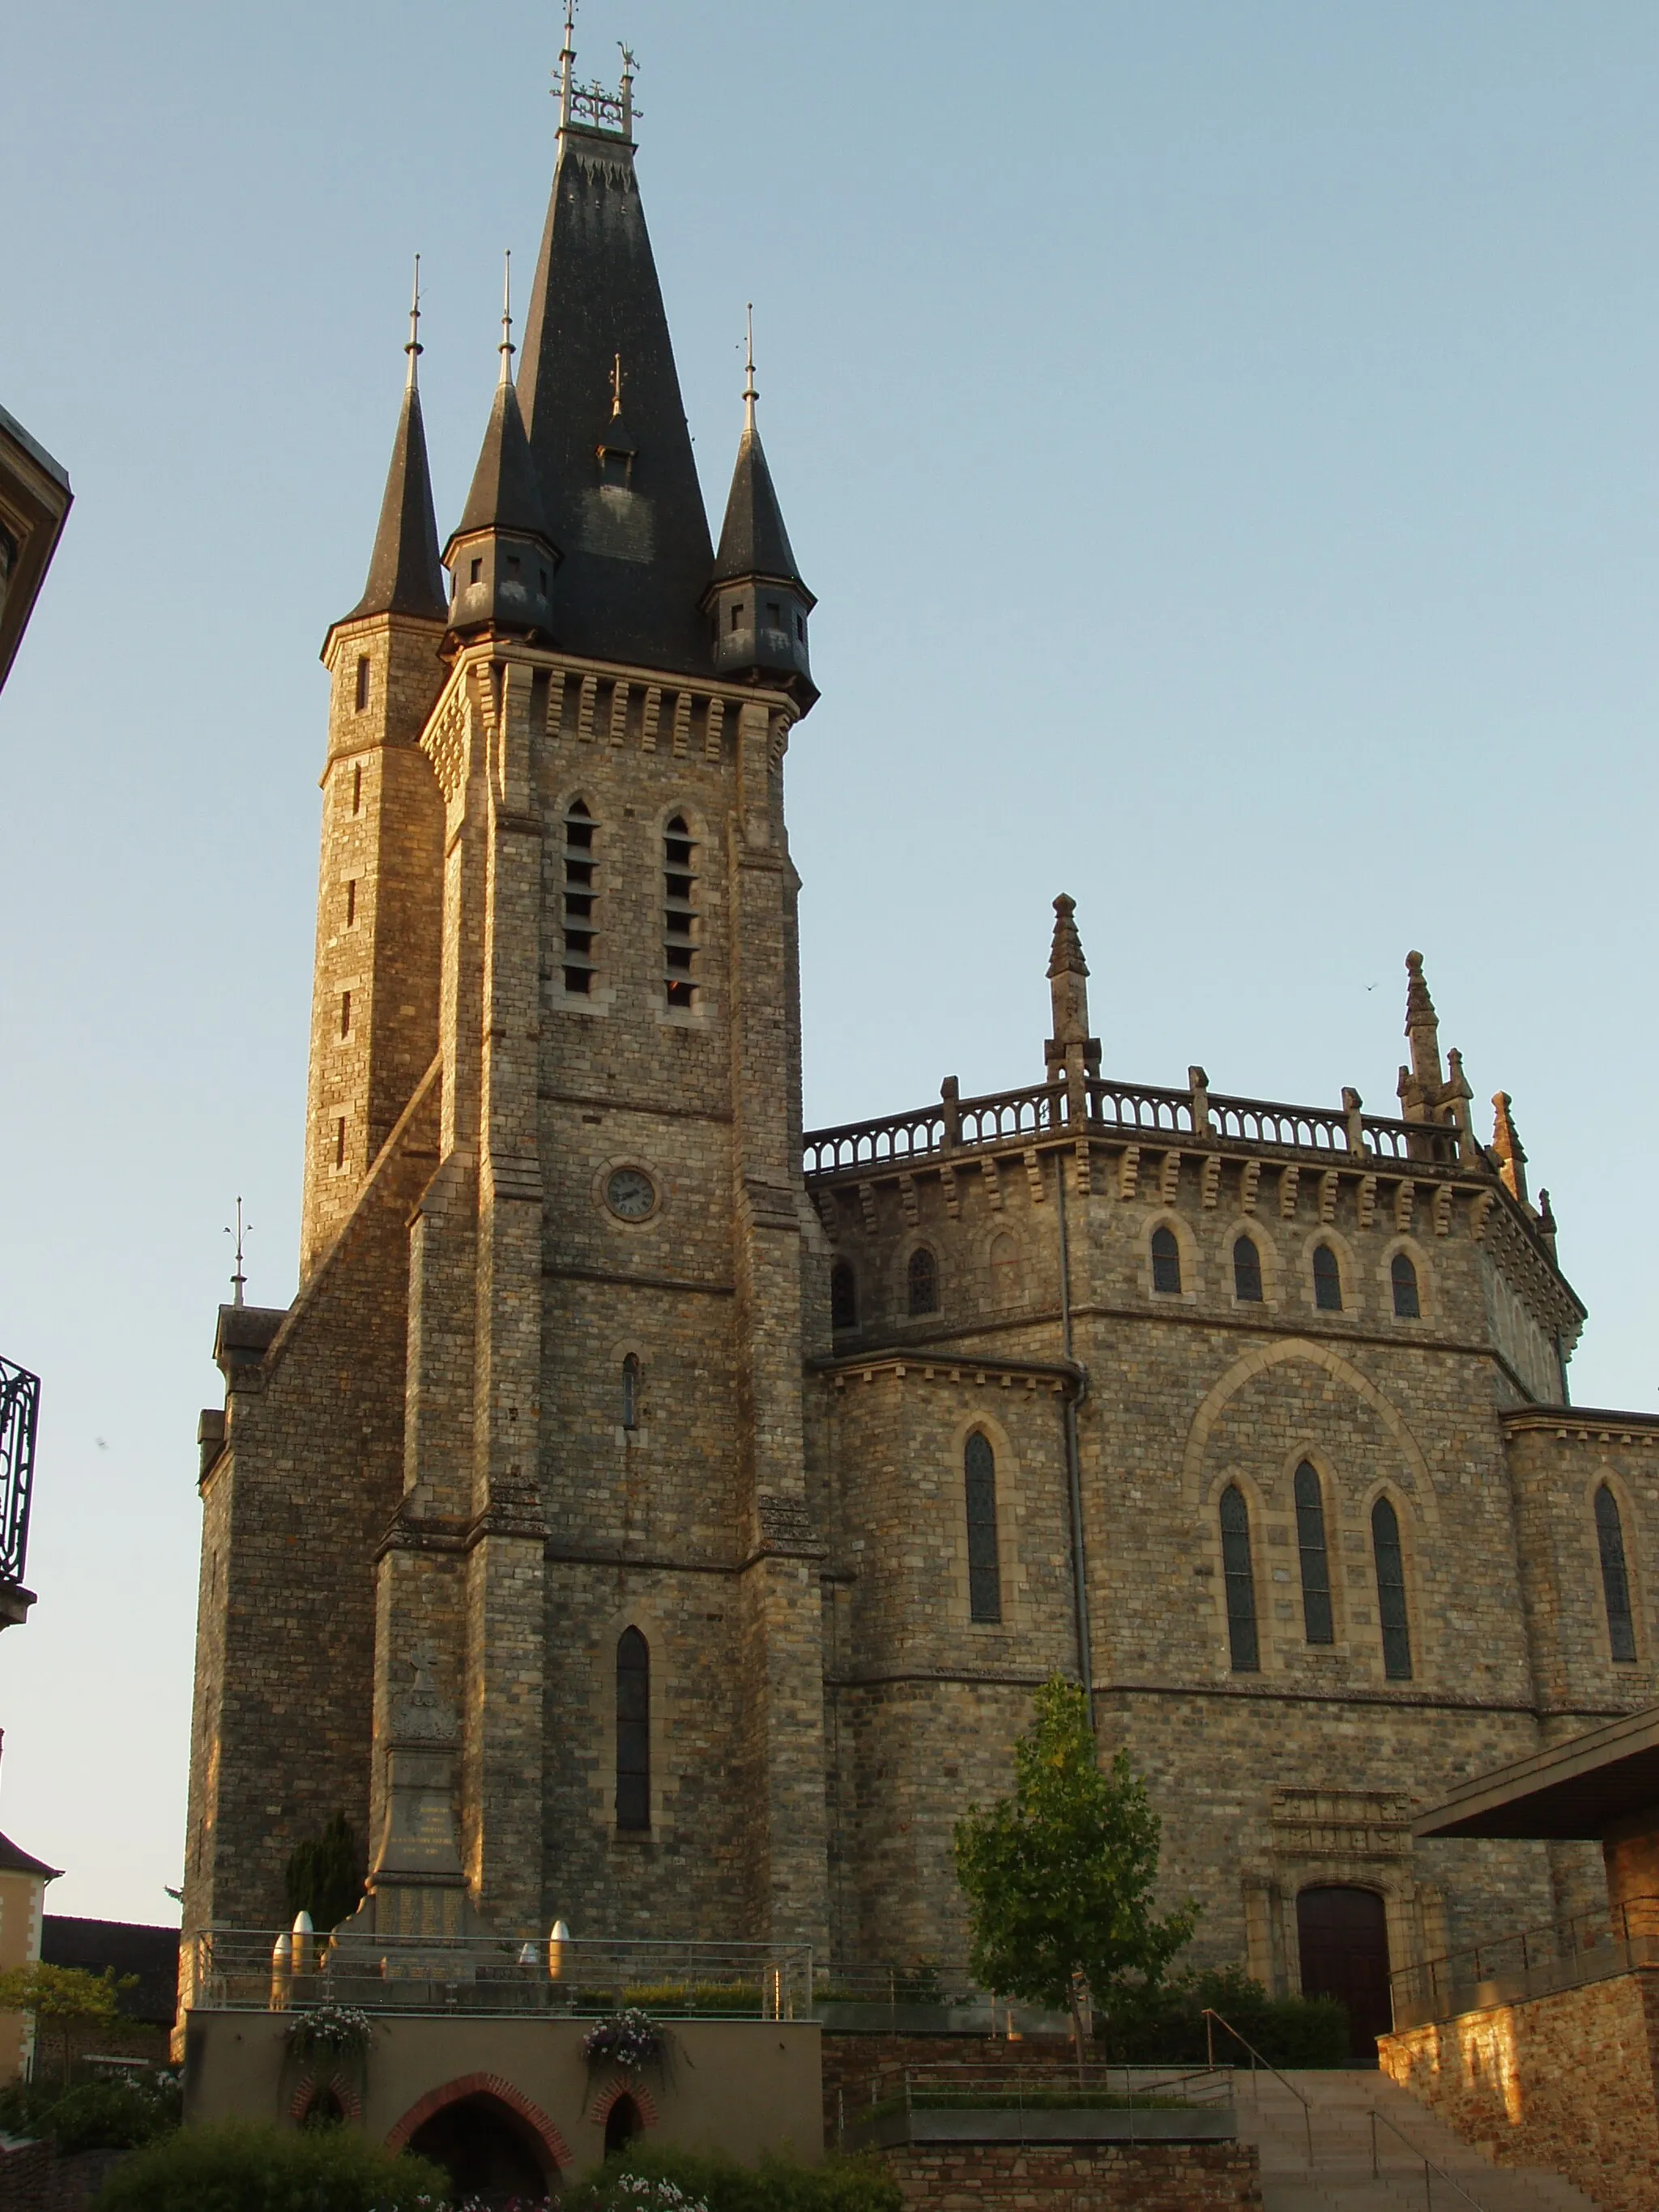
(405, 576)
(753, 540)
(34, 498)
(15, 1860)
(123, 1946)
(636, 560)
(1577, 1788)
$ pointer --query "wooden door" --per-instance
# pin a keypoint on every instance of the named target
(1344, 1938)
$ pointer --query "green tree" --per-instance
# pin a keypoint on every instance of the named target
(325, 1876)
(1059, 1877)
(61, 1999)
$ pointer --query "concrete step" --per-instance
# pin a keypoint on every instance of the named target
(1339, 2178)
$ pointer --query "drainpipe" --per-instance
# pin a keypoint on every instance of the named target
(1073, 1478)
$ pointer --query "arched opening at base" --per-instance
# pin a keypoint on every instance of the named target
(1343, 1935)
(324, 2110)
(489, 2153)
(622, 2123)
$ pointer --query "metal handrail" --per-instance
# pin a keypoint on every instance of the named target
(1213, 2020)
(1429, 2165)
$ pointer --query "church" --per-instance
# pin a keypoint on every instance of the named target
(655, 1516)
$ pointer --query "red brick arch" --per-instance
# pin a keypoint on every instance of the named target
(620, 2086)
(312, 2086)
(483, 2085)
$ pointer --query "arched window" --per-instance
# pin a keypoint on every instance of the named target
(1005, 1269)
(843, 1296)
(1328, 1281)
(1166, 1258)
(633, 1730)
(679, 912)
(1615, 1576)
(630, 1391)
(1240, 1581)
(581, 893)
(1391, 1592)
(984, 1574)
(922, 1279)
(1246, 1271)
(1315, 1564)
(622, 2123)
(1406, 1304)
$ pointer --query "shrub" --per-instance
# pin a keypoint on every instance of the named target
(111, 2115)
(233, 2165)
(777, 2184)
(1168, 2027)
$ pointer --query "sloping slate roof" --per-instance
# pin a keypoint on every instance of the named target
(1577, 1788)
(127, 1946)
(753, 540)
(404, 575)
(13, 1860)
(504, 494)
(636, 562)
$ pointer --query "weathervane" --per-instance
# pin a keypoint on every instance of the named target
(242, 1228)
(415, 348)
(593, 103)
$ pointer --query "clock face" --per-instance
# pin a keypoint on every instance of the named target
(630, 1194)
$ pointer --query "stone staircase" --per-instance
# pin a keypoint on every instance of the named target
(1340, 2178)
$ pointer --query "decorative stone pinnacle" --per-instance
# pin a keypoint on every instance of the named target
(1065, 956)
(1511, 1157)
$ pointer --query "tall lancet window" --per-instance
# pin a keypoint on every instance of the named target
(630, 1391)
(1239, 1575)
(581, 893)
(1391, 1592)
(633, 1730)
(1615, 1574)
(984, 1570)
(1315, 1564)
(679, 912)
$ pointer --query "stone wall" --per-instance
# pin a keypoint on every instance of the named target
(1076, 2177)
(1566, 2081)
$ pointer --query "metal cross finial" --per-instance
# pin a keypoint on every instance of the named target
(415, 348)
(616, 386)
(238, 1281)
(508, 348)
(750, 394)
(567, 63)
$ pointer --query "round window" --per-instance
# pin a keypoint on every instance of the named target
(630, 1194)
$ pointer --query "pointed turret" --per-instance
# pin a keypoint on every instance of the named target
(635, 539)
(1421, 1084)
(1511, 1158)
(756, 600)
(404, 576)
(1070, 1047)
(500, 555)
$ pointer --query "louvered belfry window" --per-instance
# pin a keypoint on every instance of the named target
(843, 1296)
(922, 1281)
(1402, 1273)
(580, 897)
(1166, 1259)
(679, 912)
(1240, 1580)
(1391, 1592)
(633, 1730)
(1615, 1574)
(984, 1573)
(1328, 1281)
(1315, 1564)
(1246, 1271)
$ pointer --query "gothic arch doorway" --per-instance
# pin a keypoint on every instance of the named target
(489, 2152)
(622, 2123)
(1343, 1936)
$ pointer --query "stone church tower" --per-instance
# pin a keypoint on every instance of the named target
(651, 1516)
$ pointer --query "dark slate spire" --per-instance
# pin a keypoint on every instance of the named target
(632, 530)
(404, 575)
(756, 597)
(502, 555)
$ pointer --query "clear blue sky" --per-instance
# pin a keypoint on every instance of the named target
(1221, 437)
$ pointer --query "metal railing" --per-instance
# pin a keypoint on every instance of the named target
(1212, 2020)
(1090, 2087)
(1587, 1946)
(1140, 1110)
(1430, 2169)
(237, 1970)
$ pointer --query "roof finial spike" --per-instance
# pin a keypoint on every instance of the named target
(568, 64)
(750, 394)
(415, 348)
(238, 1280)
(616, 386)
(506, 348)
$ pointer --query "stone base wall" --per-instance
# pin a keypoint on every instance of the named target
(1566, 2081)
(33, 2179)
(861, 2069)
(1076, 2177)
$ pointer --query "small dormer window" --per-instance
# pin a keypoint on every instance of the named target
(615, 465)
(800, 628)
(542, 573)
(773, 614)
(514, 564)
(477, 571)
(737, 613)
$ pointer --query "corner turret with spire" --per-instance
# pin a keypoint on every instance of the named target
(500, 555)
